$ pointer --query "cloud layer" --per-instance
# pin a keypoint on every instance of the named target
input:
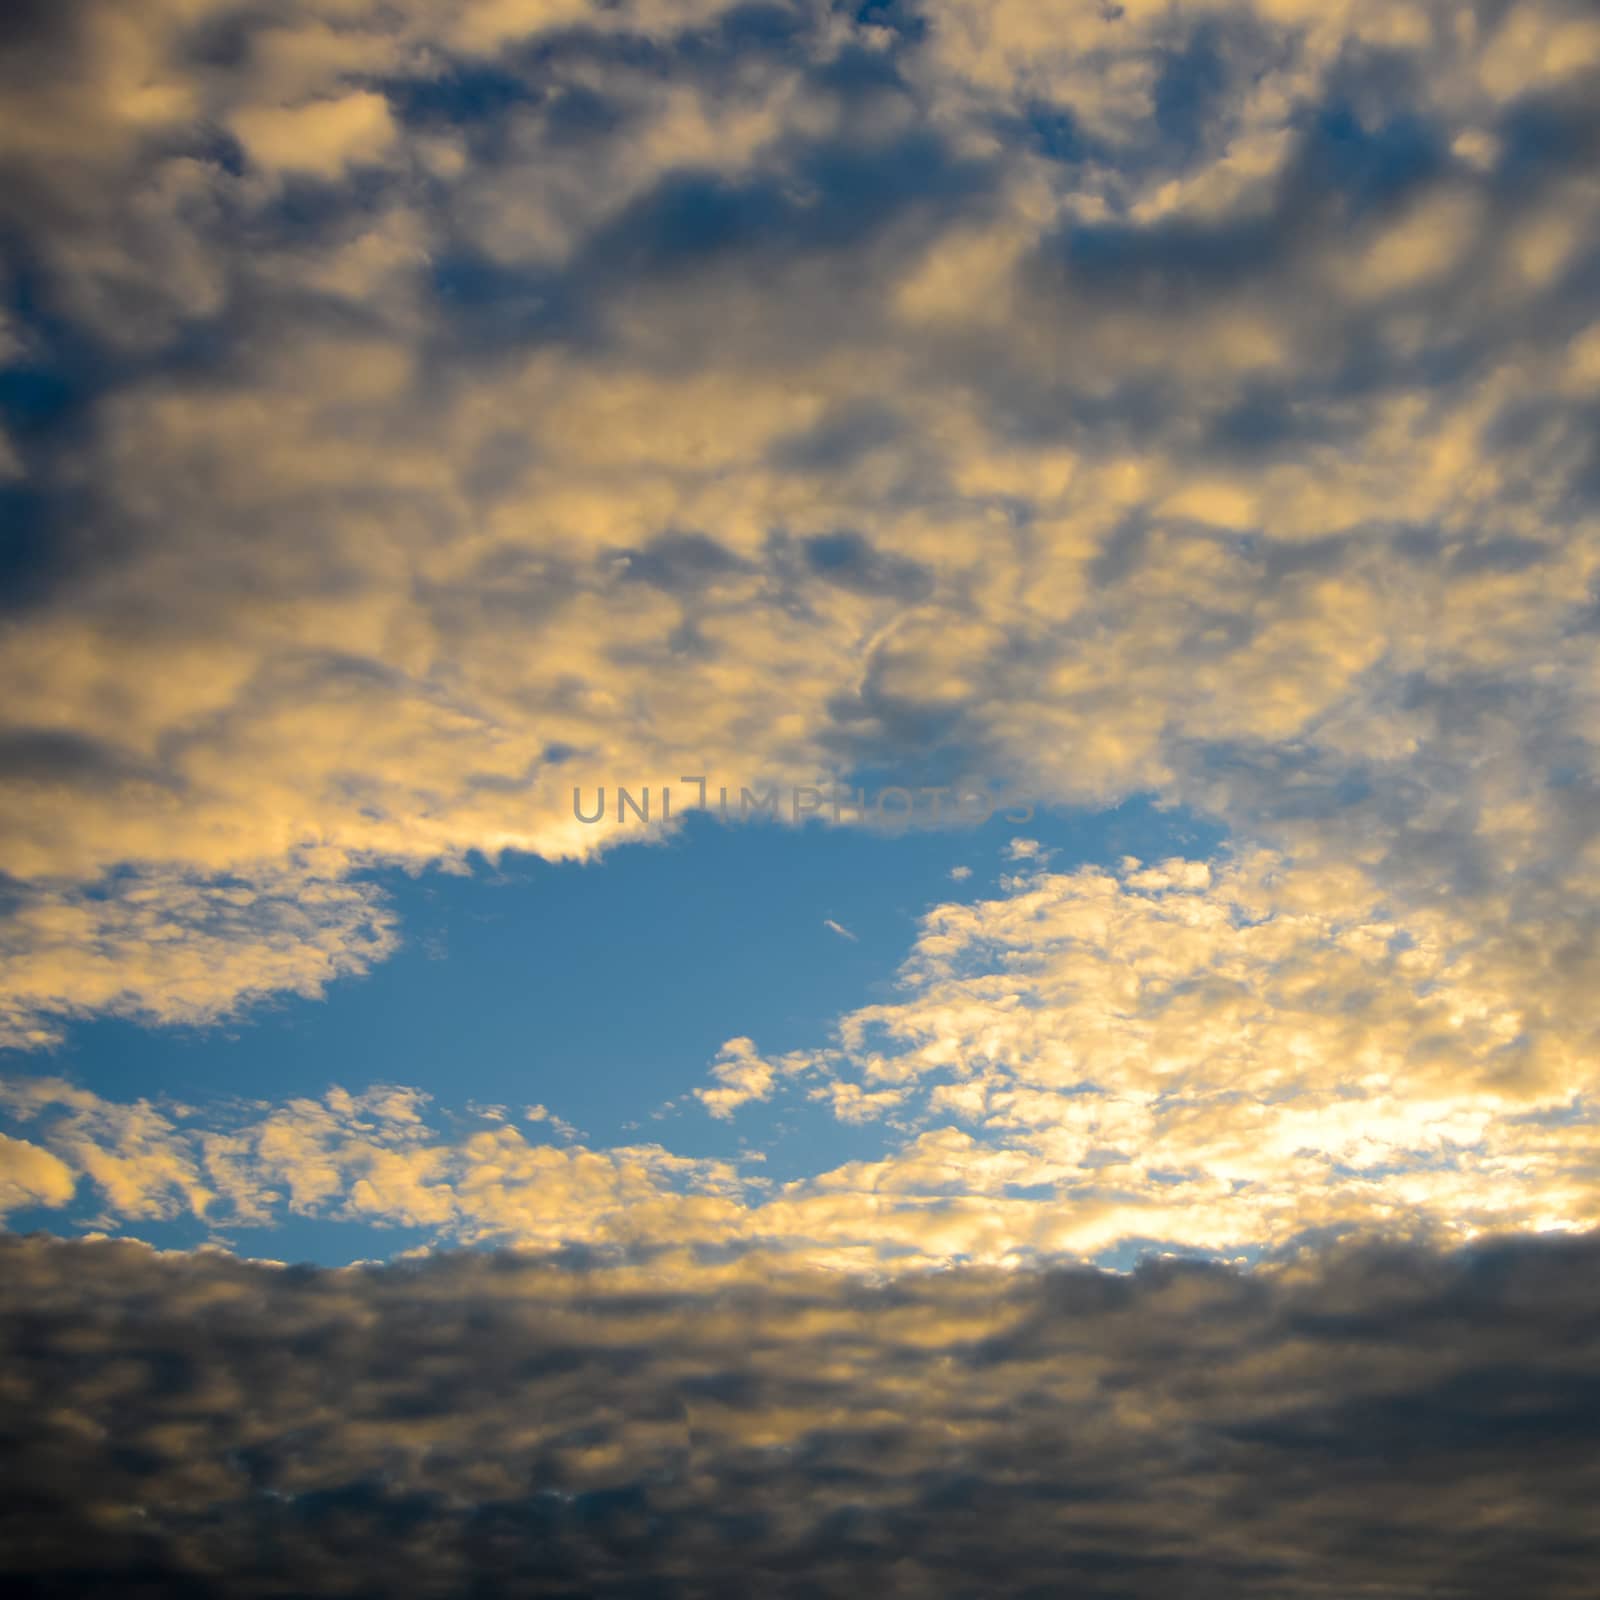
(1388, 1421)
(413, 411)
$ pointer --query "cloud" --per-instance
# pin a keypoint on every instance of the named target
(173, 947)
(321, 138)
(555, 1424)
(1228, 1054)
(30, 1176)
(741, 1077)
(432, 410)
(838, 928)
(382, 1157)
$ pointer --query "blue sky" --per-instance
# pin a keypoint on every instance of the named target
(602, 990)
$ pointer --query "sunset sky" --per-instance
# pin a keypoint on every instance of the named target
(1177, 424)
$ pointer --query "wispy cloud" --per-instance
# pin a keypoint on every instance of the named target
(840, 929)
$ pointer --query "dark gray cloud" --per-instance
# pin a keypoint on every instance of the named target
(1383, 1420)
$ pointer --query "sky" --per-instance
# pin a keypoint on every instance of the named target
(670, 665)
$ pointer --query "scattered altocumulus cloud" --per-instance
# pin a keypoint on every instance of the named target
(1228, 1056)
